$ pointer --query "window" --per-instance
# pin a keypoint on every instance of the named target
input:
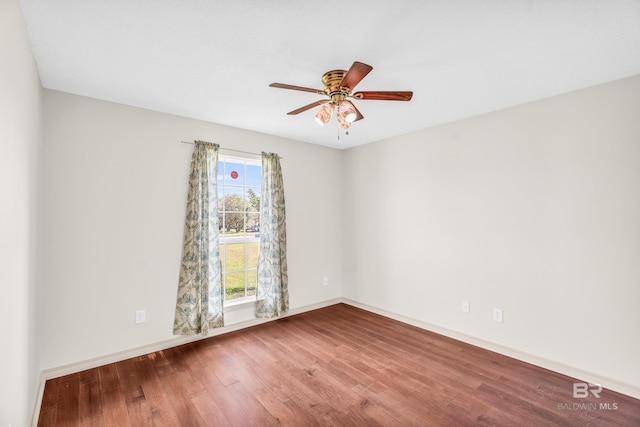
(239, 215)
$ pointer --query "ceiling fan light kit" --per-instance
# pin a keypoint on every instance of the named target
(324, 113)
(346, 114)
(338, 86)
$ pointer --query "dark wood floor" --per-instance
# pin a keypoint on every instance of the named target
(337, 366)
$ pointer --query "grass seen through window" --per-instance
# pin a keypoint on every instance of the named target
(233, 258)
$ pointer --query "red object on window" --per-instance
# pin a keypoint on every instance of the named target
(234, 174)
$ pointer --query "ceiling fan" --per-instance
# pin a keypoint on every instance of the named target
(338, 86)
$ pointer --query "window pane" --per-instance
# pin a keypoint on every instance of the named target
(253, 200)
(252, 279)
(254, 175)
(253, 223)
(233, 223)
(252, 252)
(234, 174)
(234, 254)
(234, 285)
(233, 199)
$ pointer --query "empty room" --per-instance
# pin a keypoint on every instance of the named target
(409, 213)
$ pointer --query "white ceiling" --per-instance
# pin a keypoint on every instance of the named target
(213, 60)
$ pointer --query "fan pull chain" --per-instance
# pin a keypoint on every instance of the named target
(346, 133)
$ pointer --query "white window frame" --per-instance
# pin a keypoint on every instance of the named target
(223, 160)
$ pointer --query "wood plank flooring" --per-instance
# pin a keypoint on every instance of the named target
(337, 366)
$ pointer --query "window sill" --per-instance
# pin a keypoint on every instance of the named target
(239, 304)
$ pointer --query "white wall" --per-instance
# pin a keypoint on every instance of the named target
(534, 209)
(115, 182)
(20, 137)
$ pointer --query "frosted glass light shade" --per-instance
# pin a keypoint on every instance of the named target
(324, 114)
(342, 122)
(348, 111)
(346, 114)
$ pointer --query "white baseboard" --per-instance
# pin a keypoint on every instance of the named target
(96, 362)
(582, 375)
(611, 384)
(172, 342)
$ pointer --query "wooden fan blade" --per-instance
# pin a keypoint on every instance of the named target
(308, 107)
(356, 73)
(292, 87)
(384, 95)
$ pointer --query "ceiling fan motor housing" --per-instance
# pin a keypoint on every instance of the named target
(331, 81)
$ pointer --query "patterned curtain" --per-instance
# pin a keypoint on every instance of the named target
(272, 288)
(200, 298)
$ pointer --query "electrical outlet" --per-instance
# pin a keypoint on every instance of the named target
(140, 316)
(465, 306)
(325, 281)
(498, 314)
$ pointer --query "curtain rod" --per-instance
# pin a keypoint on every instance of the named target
(235, 151)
